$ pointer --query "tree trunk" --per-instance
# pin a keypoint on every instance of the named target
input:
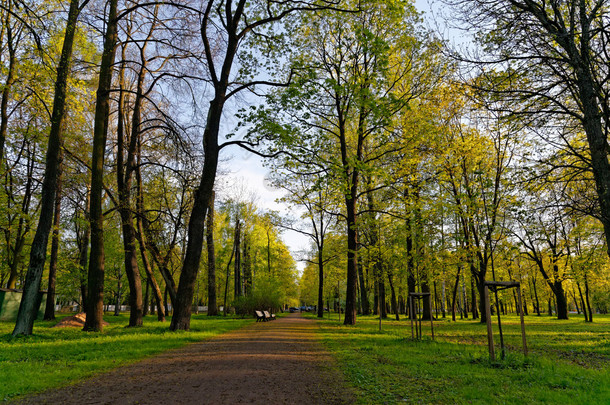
(464, 298)
(95, 301)
(184, 296)
(269, 271)
(146, 301)
(479, 277)
(587, 299)
(49, 313)
(27, 308)
(536, 296)
(246, 266)
(83, 253)
(364, 297)
(141, 240)
(597, 140)
(382, 297)
(152, 282)
(15, 250)
(473, 300)
(212, 305)
(117, 304)
(8, 84)
(455, 292)
(376, 298)
(411, 281)
(228, 273)
(393, 296)
(182, 313)
(160, 261)
(352, 261)
(237, 263)
(425, 288)
(165, 300)
(320, 282)
(124, 173)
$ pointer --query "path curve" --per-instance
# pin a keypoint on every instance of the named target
(277, 362)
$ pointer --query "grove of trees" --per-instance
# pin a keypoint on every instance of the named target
(411, 164)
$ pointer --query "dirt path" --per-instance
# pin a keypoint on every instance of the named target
(277, 362)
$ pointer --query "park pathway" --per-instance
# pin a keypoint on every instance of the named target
(277, 362)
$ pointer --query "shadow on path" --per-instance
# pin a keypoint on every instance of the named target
(277, 362)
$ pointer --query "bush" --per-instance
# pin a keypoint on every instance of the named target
(260, 299)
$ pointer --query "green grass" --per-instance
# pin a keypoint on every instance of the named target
(567, 362)
(53, 357)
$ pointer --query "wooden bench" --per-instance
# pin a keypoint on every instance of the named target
(260, 317)
(270, 317)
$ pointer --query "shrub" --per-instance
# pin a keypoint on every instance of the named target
(260, 299)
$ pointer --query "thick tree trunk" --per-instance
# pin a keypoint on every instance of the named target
(556, 286)
(184, 297)
(27, 308)
(212, 305)
(562, 302)
(124, 173)
(95, 301)
(49, 313)
(425, 288)
(352, 261)
(182, 313)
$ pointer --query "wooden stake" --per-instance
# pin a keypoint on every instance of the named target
(411, 315)
(522, 321)
(490, 338)
(431, 320)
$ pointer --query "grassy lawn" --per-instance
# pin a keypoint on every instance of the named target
(568, 361)
(53, 357)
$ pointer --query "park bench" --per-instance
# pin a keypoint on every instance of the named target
(270, 317)
(260, 317)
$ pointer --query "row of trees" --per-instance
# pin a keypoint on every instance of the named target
(373, 125)
(436, 174)
(129, 80)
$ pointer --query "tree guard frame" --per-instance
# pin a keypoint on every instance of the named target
(413, 314)
(496, 286)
